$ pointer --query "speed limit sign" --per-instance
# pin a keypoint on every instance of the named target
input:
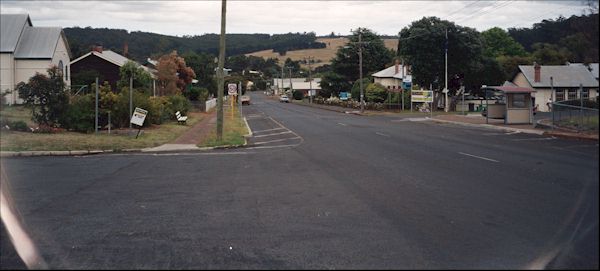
(232, 89)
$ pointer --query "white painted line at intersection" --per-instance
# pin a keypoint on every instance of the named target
(267, 130)
(275, 140)
(282, 133)
(483, 158)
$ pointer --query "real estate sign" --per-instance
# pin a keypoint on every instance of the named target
(421, 96)
(139, 115)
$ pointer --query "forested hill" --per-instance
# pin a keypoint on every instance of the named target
(576, 34)
(144, 44)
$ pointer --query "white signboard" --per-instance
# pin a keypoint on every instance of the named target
(407, 79)
(232, 89)
(421, 96)
(139, 115)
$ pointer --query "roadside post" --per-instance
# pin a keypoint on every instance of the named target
(137, 118)
(240, 97)
(231, 92)
(96, 122)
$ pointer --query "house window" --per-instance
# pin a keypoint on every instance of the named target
(60, 67)
(560, 95)
(585, 94)
(572, 95)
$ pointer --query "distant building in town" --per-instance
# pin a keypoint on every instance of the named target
(301, 84)
(557, 82)
(26, 50)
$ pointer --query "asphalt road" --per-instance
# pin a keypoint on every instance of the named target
(317, 189)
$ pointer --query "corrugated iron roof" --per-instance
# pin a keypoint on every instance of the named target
(114, 58)
(389, 72)
(38, 42)
(11, 27)
(592, 67)
(563, 76)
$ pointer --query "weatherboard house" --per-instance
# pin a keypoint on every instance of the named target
(557, 82)
(26, 50)
(105, 64)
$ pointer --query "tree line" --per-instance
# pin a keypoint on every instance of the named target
(142, 45)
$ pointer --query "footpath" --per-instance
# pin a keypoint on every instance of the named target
(189, 140)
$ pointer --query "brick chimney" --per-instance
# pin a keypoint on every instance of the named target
(97, 48)
(397, 66)
(537, 72)
(126, 50)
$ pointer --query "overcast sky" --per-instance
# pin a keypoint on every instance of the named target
(273, 17)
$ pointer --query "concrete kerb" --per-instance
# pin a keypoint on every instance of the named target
(60, 153)
(489, 126)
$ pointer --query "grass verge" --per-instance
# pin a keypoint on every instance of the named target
(119, 139)
(234, 129)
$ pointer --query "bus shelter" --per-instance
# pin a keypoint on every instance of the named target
(514, 104)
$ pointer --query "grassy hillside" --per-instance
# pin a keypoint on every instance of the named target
(322, 56)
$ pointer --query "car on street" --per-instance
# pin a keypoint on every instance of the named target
(245, 100)
(284, 99)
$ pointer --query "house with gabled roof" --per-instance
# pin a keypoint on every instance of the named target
(554, 83)
(26, 50)
(106, 63)
(392, 77)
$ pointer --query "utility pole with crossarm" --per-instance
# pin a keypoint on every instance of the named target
(360, 44)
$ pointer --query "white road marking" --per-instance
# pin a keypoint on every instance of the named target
(282, 133)
(342, 124)
(487, 159)
(275, 140)
(272, 147)
(378, 133)
(267, 130)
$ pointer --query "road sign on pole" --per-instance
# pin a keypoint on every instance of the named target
(232, 89)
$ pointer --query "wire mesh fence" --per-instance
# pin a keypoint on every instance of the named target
(580, 115)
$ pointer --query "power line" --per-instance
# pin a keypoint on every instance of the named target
(496, 6)
(451, 14)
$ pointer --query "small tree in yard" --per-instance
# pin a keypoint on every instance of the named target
(376, 93)
(47, 97)
(173, 74)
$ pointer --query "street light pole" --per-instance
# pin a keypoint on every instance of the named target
(309, 79)
(130, 98)
(362, 105)
(446, 109)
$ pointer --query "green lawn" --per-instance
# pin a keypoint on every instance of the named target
(118, 139)
(234, 129)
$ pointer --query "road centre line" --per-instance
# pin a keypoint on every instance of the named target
(275, 140)
(286, 132)
(471, 155)
(342, 124)
(378, 133)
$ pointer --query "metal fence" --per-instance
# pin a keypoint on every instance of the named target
(580, 115)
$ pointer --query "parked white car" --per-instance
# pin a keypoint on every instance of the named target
(284, 99)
